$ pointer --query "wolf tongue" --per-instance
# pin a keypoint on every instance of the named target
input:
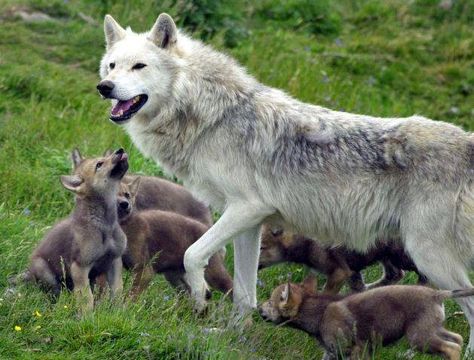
(122, 105)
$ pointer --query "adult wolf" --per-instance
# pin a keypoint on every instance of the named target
(256, 154)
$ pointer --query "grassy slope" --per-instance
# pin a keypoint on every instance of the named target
(391, 58)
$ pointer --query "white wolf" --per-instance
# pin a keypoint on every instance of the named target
(256, 154)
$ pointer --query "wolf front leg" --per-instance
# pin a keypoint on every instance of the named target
(237, 218)
(114, 277)
(246, 253)
(82, 289)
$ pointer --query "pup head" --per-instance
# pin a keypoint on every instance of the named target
(138, 70)
(286, 299)
(126, 198)
(100, 176)
(274, 242)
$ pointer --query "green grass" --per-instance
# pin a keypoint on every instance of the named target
(384, 58)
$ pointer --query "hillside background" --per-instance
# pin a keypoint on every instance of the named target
(383, 58)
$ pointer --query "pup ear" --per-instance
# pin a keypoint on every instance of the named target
(71, 182)
(164, 33)
(107, 152)
(310, 284)
(113, 31)
(76, 158)
(285, 294)
(133, 186)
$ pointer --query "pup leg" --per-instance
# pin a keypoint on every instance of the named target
(82, 289)
(40, 270)
(217, 276)
(450, 336)
(336, 279)
(176, 280)
(237, 218)
(391, 275)
(114, 277)
(141, 279)
(246, 252)
(356, 282)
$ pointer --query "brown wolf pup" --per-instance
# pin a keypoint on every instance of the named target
(160, 194)
(157, 241)
(90, 241)
(350, 326)
(339, 263)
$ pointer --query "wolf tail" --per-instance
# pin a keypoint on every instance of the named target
(23, 277)
(446, 294)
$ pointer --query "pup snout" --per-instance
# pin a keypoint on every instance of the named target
(119, 151)
(105, 88)
(124, 205)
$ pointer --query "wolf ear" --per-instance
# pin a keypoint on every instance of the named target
(76, 158)
(107, 152)
(285, 294)
(133, 186)
(113, 31)
(310, 284)
(71, 182)
(164, 33)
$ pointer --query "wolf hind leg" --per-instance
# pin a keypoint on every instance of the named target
(40, 270)
(445, 270)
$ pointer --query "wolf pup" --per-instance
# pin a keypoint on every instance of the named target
(157, 241)
(351, 326)
(258, 155)
(160, 194)
(90, 241)
(339, 263)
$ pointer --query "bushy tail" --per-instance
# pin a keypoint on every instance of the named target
(446, 294)
(25, 276)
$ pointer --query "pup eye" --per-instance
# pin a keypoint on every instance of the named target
(138, 66)
(99, 165)
(127, 195)
(112, 65)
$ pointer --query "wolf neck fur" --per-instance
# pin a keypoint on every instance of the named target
(179, 125)
(311, 312)
(96, 208)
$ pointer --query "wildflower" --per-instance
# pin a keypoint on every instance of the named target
(37, 313)
(17, 328)
(65, 306)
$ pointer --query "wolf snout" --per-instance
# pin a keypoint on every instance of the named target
(105, 88)
(124, 205)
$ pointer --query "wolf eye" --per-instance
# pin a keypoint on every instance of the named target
(99, 165)
(112, 65)
(138, 66)
(127, 195)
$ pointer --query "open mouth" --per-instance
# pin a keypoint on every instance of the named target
(121, 165)
(125, 109)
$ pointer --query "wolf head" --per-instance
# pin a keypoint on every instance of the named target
(274, 242)
(126, 198)
(138, 70)
(99, 176)
(286, 299)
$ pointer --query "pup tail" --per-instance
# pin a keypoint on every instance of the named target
(446, 294)
(24, 277)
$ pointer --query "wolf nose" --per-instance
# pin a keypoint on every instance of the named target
(124, 205)
(119, 151)
(105, 88)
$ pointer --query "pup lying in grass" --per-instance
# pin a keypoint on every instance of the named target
(90, 241)
(157, 241)
(352, 325)
(339, 263)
